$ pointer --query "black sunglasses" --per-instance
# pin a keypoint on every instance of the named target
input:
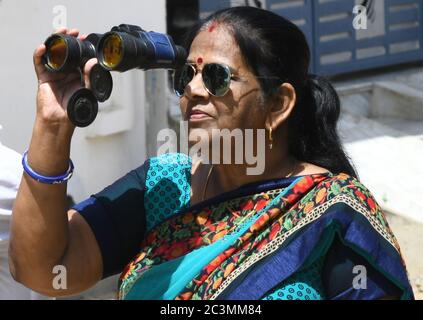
(216, 78)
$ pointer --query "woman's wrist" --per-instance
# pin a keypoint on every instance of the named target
(49, 151)
(57, 179)
(61, 129)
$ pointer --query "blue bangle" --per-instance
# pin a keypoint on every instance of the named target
(44, 179)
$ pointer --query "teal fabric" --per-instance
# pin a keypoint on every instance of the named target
(306, 284)
(179, 272)
(182, 270)
(168, 187)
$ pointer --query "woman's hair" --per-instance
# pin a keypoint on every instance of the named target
(276, 50)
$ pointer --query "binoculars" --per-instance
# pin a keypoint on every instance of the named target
(124, 48)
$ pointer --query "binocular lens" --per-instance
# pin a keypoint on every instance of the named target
(82, 108)
(112, 51)
(101, 83)
(56, 53)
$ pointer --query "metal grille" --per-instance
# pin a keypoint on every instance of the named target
(394, 31)
(394, 35)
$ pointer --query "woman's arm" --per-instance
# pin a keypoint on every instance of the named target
(43, 233)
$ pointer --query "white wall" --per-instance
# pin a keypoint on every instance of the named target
(116, 143)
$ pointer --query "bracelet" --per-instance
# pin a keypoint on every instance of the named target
(45, 179)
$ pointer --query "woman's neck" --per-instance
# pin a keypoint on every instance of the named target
(210, 180)
(226, 177)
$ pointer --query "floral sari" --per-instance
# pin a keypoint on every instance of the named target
(251, 243)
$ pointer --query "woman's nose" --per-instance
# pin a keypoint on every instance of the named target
(195, 89)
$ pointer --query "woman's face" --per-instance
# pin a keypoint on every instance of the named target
(241, 107)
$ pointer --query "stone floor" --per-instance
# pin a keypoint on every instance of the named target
(408, 234)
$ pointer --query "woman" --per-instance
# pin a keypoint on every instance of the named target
(304, 229)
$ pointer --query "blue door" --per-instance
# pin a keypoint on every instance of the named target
(342, 37)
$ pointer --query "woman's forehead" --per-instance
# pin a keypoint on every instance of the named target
(217, 45)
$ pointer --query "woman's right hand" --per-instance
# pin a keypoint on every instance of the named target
(49, 150)
(44, 234)
(56, 88)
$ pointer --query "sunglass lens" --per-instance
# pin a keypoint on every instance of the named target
(217, 79)
(183, 76)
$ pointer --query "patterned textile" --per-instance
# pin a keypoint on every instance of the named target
(305, 285)
(231, 246)
(167, 187)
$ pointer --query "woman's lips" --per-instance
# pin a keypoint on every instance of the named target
(197, 115)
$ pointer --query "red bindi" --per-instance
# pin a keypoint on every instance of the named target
(200, 60)
(213, 26)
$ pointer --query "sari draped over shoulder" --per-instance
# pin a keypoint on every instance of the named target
(254, 242)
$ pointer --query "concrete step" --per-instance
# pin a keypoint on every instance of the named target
(386, 144)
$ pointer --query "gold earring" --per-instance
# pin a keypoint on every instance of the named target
(270, 138)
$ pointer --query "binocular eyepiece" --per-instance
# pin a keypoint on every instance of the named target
(124, 48)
